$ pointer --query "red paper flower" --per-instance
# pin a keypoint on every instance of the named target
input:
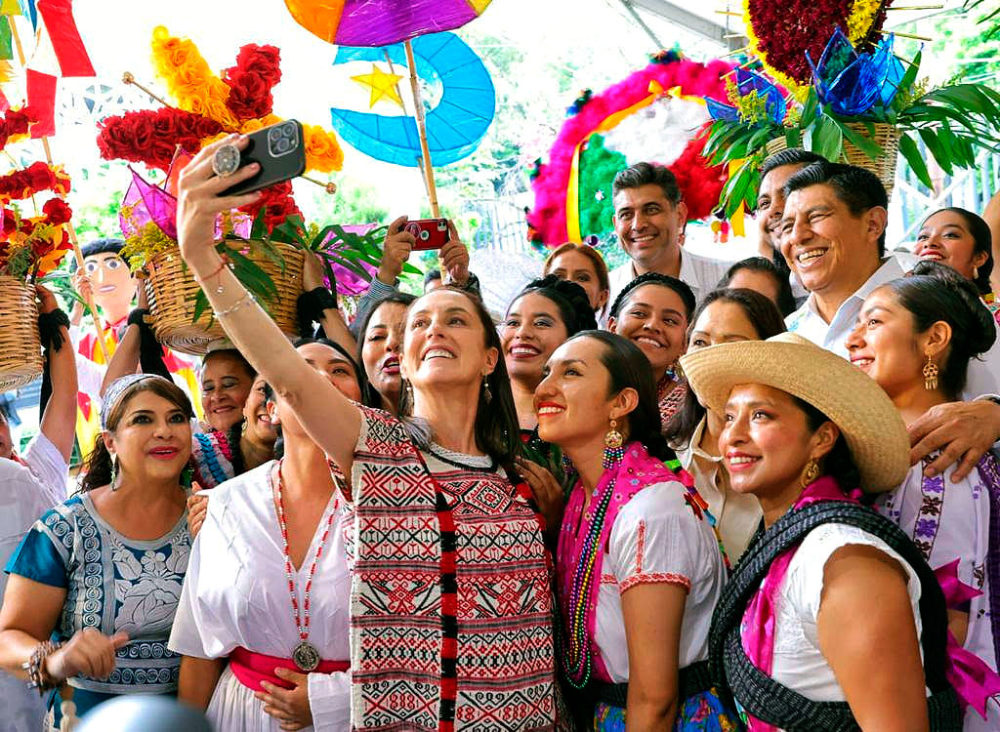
(152, 137)
(34, 179)
(15, 122)
(257, 70)
(278, 202)
(57, 211)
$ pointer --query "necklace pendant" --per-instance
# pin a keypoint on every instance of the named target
(306, 657)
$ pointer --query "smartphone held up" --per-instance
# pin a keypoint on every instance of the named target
(428, 233)
(280, 152)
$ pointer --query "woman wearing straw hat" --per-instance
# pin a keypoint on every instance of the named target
(915, 337)
(820, 625)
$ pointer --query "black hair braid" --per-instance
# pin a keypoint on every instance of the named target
(574, 305)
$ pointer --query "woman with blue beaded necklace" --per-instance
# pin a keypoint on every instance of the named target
(639, 566)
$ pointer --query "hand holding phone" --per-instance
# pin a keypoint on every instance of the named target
(279, 150)
(428, 233)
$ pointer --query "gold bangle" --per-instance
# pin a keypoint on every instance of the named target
(247, 295)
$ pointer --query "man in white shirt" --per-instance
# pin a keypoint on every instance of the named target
(30, 484)
(649, 220)
(832, 234)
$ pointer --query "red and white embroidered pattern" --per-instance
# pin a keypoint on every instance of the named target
(400, 643)
(648, 578)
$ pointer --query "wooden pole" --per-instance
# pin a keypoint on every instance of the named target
(69, 226)
(402, 102)
(418, 114)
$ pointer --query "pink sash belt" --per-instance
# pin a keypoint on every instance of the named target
(251, 668)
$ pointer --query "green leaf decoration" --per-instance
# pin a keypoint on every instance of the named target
(912, 154)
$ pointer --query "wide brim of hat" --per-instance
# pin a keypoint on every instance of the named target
(870, 423)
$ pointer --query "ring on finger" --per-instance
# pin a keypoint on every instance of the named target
(226, 160)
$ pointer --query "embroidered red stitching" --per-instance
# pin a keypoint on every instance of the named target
(670, 578)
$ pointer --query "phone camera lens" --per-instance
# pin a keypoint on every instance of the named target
(282, 145)
(425, 235)
(274, 134)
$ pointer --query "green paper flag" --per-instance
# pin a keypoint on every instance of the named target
(6, 51)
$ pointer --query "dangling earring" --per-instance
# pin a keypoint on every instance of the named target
(114, 473)
(487, 394)
(931, 372)
(810, 474)
(408, 388)
(613, 450)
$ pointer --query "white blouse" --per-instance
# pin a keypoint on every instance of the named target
(657, 538)
(799, 663)
(236, 595)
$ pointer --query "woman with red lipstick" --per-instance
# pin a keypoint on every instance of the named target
(654, 311)
(916, 337)
(540, 319)
(639, 568)
(832, 619)
(94, 585)
(380, 342)
(963, 241)
(226, 380)
(450, 600)
(289, 515)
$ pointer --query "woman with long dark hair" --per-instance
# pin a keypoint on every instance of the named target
(380, 339)
(94, 585)
(539, 319)
(963, 241)
(427, 490)
(639, 568)
(584, 265)
(915, 337)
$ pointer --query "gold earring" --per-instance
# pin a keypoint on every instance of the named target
(810, 474)
(931, 372)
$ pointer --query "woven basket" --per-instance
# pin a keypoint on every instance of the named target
(884, 166)
(172, 291)
(20, 347)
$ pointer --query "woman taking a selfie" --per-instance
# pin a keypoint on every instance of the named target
(442, 476)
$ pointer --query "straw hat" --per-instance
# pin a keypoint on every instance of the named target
(853, 401)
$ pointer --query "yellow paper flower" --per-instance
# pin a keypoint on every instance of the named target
(323, 153)
(190, 80)
(859, 23)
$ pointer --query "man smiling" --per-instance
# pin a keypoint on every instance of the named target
(832, 234)
(649, 220)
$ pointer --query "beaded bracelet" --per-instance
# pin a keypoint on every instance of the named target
(38, 677)
(236, 305)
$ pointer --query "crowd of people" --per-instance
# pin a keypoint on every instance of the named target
(683, 494)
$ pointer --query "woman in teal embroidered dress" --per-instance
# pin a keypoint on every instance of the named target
(639, 565)
(101, 573)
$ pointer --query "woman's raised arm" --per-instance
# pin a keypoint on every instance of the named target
(329, 417)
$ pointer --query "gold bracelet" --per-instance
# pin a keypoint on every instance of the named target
(247, 295)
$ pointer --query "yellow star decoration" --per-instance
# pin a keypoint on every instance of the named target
(383, 85)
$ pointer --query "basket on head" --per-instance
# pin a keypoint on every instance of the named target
(172, 292)
(20, 347)
(884, 165)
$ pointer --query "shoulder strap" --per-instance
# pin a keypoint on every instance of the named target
(790, 530)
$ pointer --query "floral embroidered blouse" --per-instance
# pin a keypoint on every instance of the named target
(112, 584)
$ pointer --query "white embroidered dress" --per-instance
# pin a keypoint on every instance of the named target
(950, 521)
(236, 595)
